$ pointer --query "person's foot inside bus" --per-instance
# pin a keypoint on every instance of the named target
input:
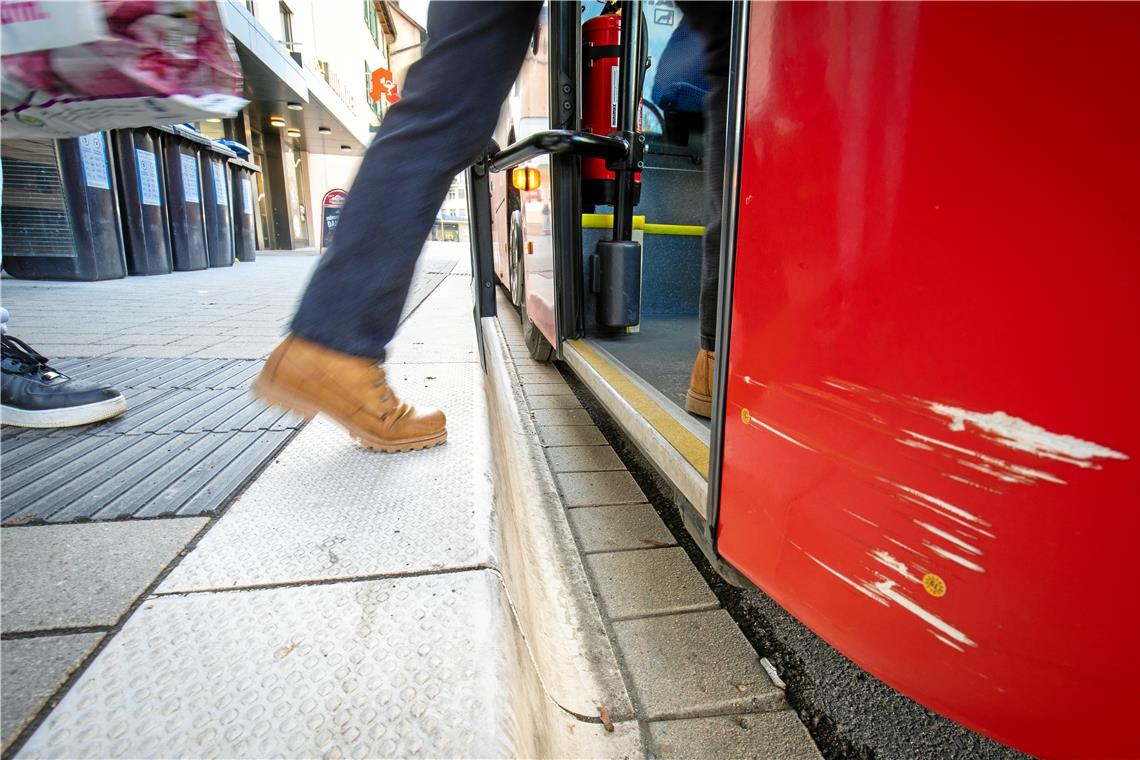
(34, 395)
(308, 378)
(698, 399)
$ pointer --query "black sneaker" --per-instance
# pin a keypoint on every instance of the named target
(32, 394)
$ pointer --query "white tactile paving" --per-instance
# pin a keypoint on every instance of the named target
(328, 508)
(369, 669)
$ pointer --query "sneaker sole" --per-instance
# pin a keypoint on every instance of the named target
(73, 416)
(699, 405)
(299, 405)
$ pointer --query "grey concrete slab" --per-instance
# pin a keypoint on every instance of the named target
(620, 527)
(82, 575)
(634, 584)
(583, 458)
(570, 435)
(328, 508)
(393, 668)
(33, 670)
(593, 489)
(547, 389)
(562, 417)
(694, 664)
(537, 373)
(764, 736)
(567, 401)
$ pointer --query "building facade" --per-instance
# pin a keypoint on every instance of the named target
(309, 68)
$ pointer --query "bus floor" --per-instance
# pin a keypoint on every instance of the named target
(661, 354)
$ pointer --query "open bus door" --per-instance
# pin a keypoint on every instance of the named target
(928, 394)
(482, 252)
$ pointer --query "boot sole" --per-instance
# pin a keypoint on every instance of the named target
(698, 405)
(304, 407)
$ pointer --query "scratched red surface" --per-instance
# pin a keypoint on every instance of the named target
(934, 336)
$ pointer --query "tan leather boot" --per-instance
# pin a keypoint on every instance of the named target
(698, 399)
(308, 378)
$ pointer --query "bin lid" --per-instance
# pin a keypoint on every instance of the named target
(192, 135)
(240, 162)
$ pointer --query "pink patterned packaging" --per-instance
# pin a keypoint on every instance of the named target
(151, 62)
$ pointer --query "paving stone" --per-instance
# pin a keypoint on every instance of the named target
(614, 528)
(547, 389)
(33, 670)
(648, 582)
(562, 417)
(390, 668)
(567, 401)
(583, 458)
(694, 664)
(328, 508)
(592, 489)
(570, 435)
(762, 736)
(87, 574)
(540, 372)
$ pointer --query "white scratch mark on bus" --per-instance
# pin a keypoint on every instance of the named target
(941, 507)
(785, 436)
(901, 545)
(860, 517)
(888, 589)
(915, 444)
(966, 547)
(945, 640)
(1021, 435)
(972, 484)
(862, 589)
(993, 466)
(888, 560)
(954, 558)
(748, 379)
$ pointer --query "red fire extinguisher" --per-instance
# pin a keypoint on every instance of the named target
(601, 45)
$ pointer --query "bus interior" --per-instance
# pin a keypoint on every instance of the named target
(669, 218)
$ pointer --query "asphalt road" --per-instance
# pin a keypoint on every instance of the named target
(850, 713)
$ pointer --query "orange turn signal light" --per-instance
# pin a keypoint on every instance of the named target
(525, 178)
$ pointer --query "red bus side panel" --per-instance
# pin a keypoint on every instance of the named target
(932, 447)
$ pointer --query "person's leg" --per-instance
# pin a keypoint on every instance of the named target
(448, 111)
(351, 308)
(713, 21)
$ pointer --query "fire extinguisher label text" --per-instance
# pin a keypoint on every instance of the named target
(614, 97)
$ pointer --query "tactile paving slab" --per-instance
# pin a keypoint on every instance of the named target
(407, 667)
(327, 508)
(192, 436)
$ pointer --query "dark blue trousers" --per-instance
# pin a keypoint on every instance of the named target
(446, 116)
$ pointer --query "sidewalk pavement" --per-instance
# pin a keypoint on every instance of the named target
(506, 594)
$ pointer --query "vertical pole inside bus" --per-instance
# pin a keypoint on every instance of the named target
(619, 259)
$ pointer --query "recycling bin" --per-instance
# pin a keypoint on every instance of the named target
(216, 202)
(146, 230)
(60, 214)
(181, 150)
(243, 186)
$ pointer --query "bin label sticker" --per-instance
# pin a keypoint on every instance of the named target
(148, 178)
(190, 187)
(246, 196)
(93, 156)
(220, 191)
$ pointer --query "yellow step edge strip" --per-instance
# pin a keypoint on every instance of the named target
(688, 445)
(606, 221)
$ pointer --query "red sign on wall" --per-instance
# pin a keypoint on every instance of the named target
(383, 85)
